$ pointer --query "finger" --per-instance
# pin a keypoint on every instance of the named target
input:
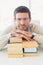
(27, 34)
(14, 34)
(22, 36)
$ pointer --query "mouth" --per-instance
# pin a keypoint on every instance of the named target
(22, 27)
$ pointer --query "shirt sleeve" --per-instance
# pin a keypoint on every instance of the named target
(39, 39)
(38, 30)
(5, 36)
(4, 40)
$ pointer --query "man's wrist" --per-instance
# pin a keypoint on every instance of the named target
(32, 36)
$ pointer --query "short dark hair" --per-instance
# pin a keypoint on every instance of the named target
(22, 9)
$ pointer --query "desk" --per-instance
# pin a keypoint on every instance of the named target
(4, 60)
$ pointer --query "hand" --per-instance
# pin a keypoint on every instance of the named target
(14, 34)
(27, 34)
(24, 34)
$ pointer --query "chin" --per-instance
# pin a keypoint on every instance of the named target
(23, 29)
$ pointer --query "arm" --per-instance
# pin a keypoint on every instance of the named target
(39, 39)
(4, 37)
(7, 30)
(4, 40)
(39, 33)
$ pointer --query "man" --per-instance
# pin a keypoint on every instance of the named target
(23, 27)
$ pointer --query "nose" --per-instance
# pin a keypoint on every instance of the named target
(22, 22)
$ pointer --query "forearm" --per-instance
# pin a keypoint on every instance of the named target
(4, 40)
(39, 39)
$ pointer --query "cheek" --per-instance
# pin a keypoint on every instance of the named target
(18, 24)
(27, 23)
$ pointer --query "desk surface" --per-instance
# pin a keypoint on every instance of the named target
(4, 60)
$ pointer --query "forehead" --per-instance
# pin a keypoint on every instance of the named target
(22, 15)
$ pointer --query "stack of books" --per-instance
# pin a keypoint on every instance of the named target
(15, 47)
(30, 48)
(18, 47)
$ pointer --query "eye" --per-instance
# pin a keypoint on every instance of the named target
(25, 18)
(19, 19)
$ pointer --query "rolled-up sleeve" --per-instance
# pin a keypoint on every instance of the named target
(39, 39)
(4, 40)
(35, 28)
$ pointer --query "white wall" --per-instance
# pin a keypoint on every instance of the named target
(37, 10)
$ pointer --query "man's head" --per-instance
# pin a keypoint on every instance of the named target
(22, 17)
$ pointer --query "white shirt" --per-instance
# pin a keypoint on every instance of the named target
(34, 28)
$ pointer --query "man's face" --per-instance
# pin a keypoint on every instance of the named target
(22, 21)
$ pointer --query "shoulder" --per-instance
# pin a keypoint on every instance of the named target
(34, 26)
(12, 27)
